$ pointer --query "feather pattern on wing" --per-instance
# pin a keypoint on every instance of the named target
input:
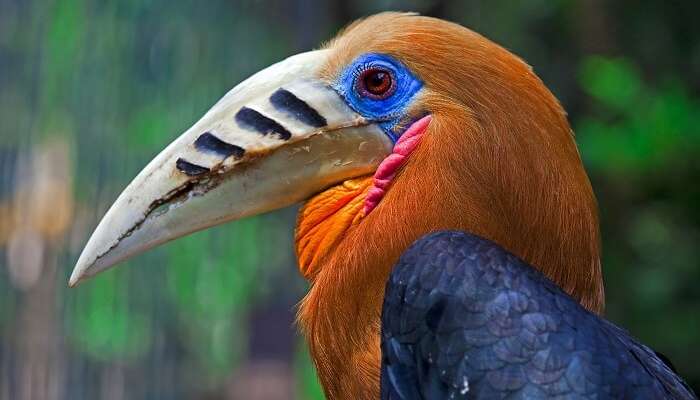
(465, 319)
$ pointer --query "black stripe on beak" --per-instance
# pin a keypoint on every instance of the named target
(286, 101)
(249, 118)
(190, 169)
(208, 143)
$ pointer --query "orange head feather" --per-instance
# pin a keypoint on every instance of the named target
(498, 160)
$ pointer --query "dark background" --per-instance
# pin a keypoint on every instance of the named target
(91, 90)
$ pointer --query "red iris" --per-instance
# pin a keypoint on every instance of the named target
(376, 83)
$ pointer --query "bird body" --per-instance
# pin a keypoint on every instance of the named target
(465, 319)
(401, 126)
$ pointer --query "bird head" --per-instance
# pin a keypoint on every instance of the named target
(400, 126)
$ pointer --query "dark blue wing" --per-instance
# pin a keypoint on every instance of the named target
(465, 319)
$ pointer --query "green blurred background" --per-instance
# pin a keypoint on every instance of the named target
(91, 90)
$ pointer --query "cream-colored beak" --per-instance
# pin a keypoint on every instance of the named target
(276, 139)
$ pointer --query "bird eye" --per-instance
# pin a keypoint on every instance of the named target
(376, 83)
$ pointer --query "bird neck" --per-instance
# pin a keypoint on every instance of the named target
(347, 257)
(532, 197)
(345, 349)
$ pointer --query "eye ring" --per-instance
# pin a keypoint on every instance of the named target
(376, 83)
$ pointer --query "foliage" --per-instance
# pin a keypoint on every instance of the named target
(104, 326)
(634, 128)
(640, 142)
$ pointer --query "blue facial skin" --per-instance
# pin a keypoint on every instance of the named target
(387, 112)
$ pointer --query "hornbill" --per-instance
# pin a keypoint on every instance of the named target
(403, 126)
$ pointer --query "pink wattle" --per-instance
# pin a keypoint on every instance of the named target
(390, 165)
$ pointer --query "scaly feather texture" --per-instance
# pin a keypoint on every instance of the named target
(465, 319)
(498, 159)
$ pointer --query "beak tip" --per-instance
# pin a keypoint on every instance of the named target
(81, 272)
(75, 278)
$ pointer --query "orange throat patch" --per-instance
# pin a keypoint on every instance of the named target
(324, 220)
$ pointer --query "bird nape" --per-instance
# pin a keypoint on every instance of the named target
(401, 126)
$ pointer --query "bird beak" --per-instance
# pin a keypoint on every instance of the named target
(276, 139)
